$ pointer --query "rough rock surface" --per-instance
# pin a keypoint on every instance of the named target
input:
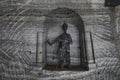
(21, 19)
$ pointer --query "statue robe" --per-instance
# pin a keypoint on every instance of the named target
(63, 52)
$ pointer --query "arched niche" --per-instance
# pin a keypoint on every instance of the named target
(52, 24)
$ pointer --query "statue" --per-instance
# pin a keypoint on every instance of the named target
(63, 52)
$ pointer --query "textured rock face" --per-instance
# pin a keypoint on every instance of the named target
(20, 20)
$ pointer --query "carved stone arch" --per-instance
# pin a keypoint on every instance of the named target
(55, 18)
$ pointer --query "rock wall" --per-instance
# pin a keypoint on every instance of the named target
(20, 20)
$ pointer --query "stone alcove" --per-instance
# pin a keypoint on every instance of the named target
(52, 24)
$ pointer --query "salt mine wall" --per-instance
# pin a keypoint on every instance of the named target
(25, 25)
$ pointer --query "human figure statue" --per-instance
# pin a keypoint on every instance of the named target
(63, 53)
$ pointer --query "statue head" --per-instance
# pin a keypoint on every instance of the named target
(64, 26)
